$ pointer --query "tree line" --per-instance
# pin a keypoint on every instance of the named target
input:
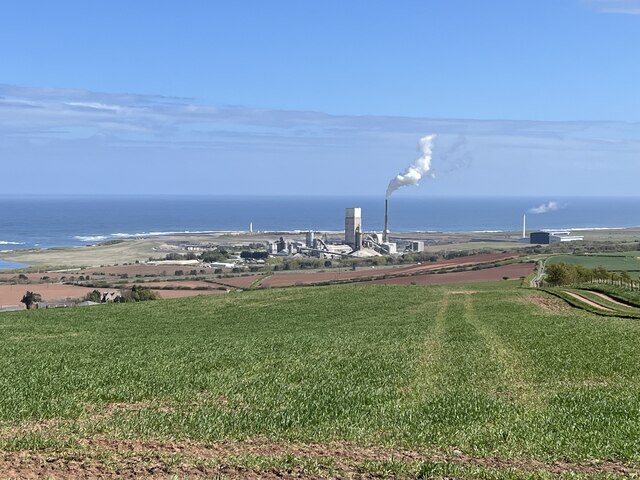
(559, 274)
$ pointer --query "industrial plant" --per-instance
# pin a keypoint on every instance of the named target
(356, 242)
(547, 237)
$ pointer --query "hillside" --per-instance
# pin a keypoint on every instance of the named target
(464, 381)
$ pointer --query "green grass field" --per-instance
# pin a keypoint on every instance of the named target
(615, 262)
(462, 381)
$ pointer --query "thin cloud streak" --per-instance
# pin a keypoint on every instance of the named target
(28, 110)
(628, 7)
(68, 133)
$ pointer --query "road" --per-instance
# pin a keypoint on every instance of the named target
(535, 283)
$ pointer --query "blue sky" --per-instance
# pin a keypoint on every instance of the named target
(293, 97)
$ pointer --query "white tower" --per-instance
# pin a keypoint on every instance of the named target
(524, 226)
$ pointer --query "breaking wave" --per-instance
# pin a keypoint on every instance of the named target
(119, 235)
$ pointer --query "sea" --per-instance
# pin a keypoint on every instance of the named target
(45, 222)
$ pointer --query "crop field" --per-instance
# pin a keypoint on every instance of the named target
(615, 262)
(484, 380)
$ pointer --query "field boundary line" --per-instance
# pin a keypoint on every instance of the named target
(258, 281)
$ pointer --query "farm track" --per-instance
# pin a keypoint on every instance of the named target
(602, 302)
(609, 299)
(586, 301)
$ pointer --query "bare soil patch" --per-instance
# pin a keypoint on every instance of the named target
(139, 459)
(546, 303)
(239, 282)
(177, 284)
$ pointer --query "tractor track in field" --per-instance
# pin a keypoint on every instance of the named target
(609, 299)
(586, 301)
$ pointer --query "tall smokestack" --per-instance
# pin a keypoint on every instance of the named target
(524, 226)
(386, 220)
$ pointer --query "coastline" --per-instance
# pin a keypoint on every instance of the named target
(140, 248)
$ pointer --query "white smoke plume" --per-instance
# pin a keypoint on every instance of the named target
(414, 173)
(545, 208)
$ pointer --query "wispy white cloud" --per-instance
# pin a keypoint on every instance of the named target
(66, 113)
(629, 7)
(63, 128)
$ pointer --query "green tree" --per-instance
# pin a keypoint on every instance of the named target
(214, 257)
(138, 294)
(560, 274)
(94, 296)
(30, 298)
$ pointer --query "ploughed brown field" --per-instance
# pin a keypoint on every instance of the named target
(239, 282)
(130, 270)
(177, 284)
(12, 294)
(513, 271)
(142, 269)
(306, 278)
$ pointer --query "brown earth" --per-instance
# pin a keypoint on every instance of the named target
(36, 277)
(512, 271)
(143, 269)
(177, 284)
(239, 282)
(306, 278)
(12, 294)
(546, 302)
(106, 458)
(101, 456)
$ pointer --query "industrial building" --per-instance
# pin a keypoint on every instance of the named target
(353, 227)
(357, 242)
(547, 238)
(417, 246)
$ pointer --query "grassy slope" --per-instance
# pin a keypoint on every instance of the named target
(428, 368)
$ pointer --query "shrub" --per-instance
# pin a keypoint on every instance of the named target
(94, 296)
